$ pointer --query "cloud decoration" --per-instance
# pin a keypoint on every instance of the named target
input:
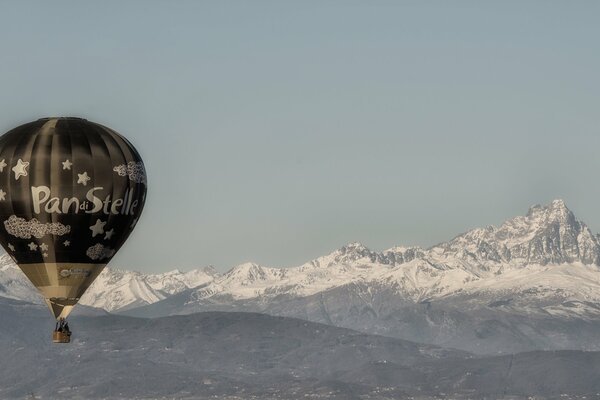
(99, 252)
(134, 170)
(24, 229)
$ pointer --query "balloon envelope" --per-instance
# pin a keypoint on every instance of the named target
(71, 192)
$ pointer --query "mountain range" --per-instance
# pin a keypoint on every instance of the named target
(533, 283)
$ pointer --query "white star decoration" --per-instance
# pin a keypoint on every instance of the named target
(45, 255)
(97, 228)
(109, 234)
(43, 247)
(2, 165)
(67, 164)
(32, 246)
(2, 195)
(67, 243)
(83, 178)
(11, 247)
(20, 169)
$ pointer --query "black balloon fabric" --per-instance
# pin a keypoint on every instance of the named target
(70, 191)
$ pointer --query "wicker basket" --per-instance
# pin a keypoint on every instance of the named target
(61, 337)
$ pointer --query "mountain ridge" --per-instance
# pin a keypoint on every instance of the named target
(532, 283)
(547, 257)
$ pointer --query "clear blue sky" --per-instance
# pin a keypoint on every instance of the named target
(277, 131)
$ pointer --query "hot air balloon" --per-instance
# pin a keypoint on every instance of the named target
(71, 192)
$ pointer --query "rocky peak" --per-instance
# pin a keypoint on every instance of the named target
(353, 251)
(210, 271)
(400, 255)
(548, 234)
(556, 212)
(246, 273)
(353, 247)
(356, 252)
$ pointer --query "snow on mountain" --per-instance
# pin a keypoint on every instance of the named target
(537, 247)
(546, 235)
(14, 284)
(114, 289)
(548, 247)
(418, 279)
(176, 281)
(249, 280)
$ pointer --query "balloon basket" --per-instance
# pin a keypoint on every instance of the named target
(61, 337)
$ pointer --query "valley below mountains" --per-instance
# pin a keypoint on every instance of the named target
(255, 356)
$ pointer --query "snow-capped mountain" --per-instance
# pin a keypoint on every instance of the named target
(114, 289)
(14, 284)
(546, 235)
(532, 283)
(480, 259)
(548, 252)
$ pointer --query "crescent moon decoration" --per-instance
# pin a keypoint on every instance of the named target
(71, 192)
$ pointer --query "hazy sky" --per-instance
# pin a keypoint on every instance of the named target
(277, 131)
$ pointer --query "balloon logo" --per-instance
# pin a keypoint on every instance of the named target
(71, 192)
